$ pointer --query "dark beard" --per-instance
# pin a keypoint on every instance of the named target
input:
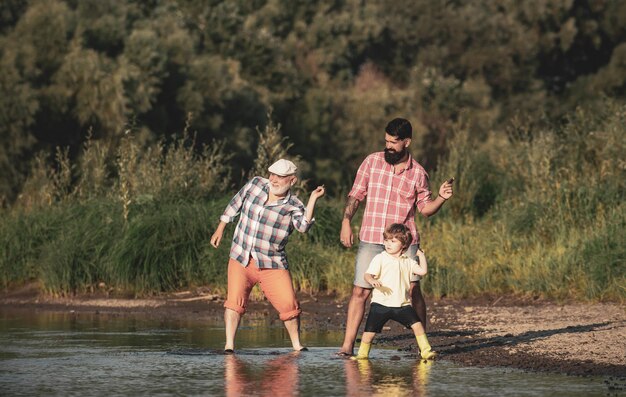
(393, 157)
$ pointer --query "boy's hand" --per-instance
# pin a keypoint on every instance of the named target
(372, 280)
(384, 290)
(318, 192)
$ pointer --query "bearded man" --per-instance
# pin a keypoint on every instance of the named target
(395, 185)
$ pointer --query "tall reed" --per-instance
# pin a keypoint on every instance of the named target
(74, 254)
(555, 227)
(166, 247)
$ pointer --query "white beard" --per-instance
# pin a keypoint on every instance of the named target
(279, 191)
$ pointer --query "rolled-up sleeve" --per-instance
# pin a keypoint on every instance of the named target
(299, 221)
(359, 188)
(422, 191)
(234, 206)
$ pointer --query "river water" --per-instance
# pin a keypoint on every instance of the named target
(103, 355)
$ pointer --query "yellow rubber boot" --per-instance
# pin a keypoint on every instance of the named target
(364, 351)
(425, 348)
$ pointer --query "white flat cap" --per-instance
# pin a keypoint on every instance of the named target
(283, 168)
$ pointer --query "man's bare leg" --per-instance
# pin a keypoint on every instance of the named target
(293, 329)
(231, 322)
(418, 303)
(356, 311)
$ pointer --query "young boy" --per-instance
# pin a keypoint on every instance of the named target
(390, 274)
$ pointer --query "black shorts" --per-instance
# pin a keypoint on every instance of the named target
(379, 315)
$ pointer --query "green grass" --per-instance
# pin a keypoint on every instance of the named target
(165, 247)
(77, 247)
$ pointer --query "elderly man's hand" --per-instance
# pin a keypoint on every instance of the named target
(215, 239)
(318, 192)
(217, 236)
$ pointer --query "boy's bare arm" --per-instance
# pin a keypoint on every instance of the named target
(422, 265)
(370, 279)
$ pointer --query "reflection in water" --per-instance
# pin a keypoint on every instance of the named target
(421, 376)
(358, 377)
(290, 374)
(275, 377)
(72, 354)
(362, 377)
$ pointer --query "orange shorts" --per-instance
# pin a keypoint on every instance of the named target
(275, 284)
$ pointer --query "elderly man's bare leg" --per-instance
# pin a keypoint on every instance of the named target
(293, 329)
(231, 322)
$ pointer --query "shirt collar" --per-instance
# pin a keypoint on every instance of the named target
(409, 162)
(403, 256)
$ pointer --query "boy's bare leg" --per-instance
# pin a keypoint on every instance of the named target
(356, 311)
(293, 329)
(418, 303)
(418, 329)
(231, 322)
(368, 337)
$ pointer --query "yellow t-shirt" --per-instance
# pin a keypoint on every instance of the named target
(395, 276)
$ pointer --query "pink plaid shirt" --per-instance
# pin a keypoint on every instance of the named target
(391, 198)
(263, 228)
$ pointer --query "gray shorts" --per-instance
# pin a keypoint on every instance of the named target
(364, 256)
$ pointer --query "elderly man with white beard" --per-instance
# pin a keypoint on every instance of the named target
(268, 215)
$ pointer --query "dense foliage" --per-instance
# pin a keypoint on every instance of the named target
(333, 71)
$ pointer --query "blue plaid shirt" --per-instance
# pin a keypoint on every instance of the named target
(263, 228)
